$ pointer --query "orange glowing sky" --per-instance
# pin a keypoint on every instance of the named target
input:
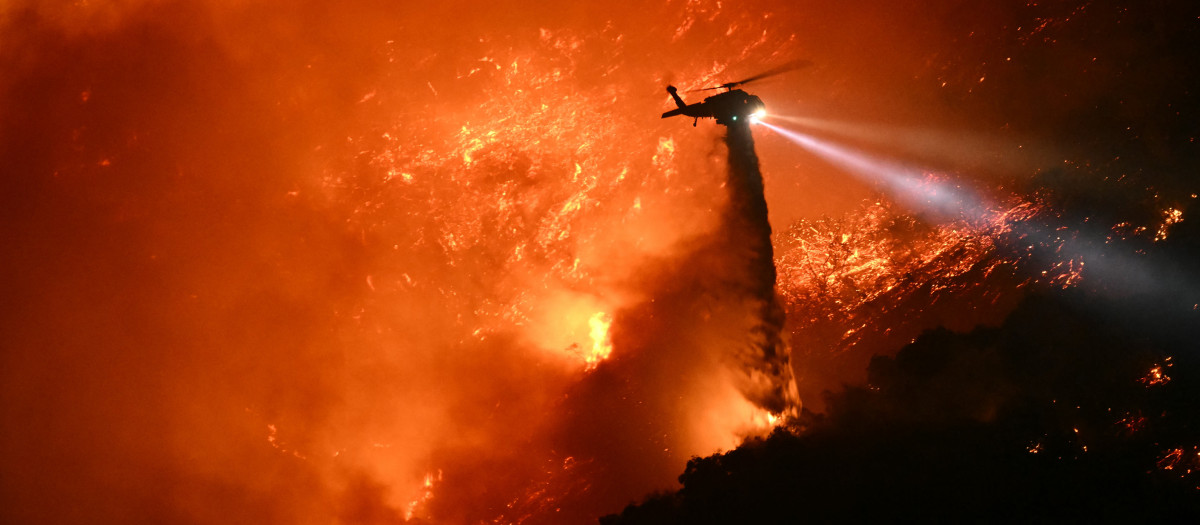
(369, 262)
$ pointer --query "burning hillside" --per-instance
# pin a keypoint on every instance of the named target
(284, 262)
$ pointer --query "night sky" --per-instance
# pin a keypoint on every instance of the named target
(381, 262)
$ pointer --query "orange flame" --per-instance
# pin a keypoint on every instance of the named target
(600, 323)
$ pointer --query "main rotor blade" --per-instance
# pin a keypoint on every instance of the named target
(790, 66)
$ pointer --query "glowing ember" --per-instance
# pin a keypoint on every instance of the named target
(1170, 459)
(1171, 217)
(1131, 424)
(1183, 461)
(1157, 376)
(277, 444)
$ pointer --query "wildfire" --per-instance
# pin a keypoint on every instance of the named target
(522, 168)
(1171, 217)
(600, 323)
(846, 271)
(1170, 459)
(1132, 423)
(1184, 461)
(404, 233)
(1157, 376)
(426, 494)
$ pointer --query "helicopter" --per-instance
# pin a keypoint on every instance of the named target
(731, 106)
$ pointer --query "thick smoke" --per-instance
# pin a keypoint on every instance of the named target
(299, 263)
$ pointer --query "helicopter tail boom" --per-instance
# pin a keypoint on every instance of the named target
(675, 95)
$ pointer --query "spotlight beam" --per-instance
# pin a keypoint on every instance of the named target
(915, 188)
(909, 185)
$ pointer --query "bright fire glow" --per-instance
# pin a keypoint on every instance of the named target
(1157, 375)
(838, 276)
(1181, 461)
(399, 233)
(600, 323)
(426, 494)
(1171, 217)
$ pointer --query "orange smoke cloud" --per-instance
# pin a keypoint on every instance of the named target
(368, 263)
(297, 263)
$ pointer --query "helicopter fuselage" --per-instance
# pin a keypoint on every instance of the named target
(728, 107)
